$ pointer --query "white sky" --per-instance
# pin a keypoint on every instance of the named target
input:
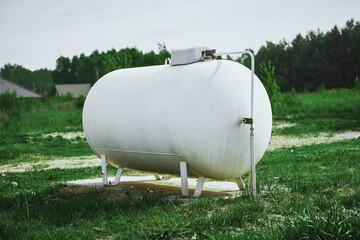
(35, 33)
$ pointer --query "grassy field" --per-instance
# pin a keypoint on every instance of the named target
(309, 192)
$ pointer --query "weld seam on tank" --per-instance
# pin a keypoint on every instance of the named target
(140, 152)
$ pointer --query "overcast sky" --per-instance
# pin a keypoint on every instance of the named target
(35, 33)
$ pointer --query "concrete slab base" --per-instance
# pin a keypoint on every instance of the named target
(170, 186)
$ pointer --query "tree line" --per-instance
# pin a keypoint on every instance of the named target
(330, 60)
(318, 59)
(82, 69)
(88, 69)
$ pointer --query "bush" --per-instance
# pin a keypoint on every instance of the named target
(10, 105)
(80, 101)
(356, 85)
(269, 80)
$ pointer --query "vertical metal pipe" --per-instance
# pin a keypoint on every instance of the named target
(252, 139)
(252, 155)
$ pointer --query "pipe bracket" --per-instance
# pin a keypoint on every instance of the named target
(247, 120)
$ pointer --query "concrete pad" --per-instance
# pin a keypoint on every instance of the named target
(170, 186)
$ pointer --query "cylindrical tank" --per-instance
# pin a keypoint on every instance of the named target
(152, 118)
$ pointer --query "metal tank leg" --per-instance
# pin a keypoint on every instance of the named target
(104, 170)
(184, 179)
(104, 173)
(199, 186)
(118, 176)
(240, 183)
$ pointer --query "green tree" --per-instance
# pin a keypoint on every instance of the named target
(62, 73)
(268, 78)
(163, 52)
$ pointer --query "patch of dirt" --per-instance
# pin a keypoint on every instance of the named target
(280, 125)
(136, 189)
(68, 135)
(73, 162)
(280, 141)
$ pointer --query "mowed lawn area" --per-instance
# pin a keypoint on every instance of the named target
(309, 192)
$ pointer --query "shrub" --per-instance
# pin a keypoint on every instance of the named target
(80, 101)
(10, 105)
(356, 85)
(269, 80)
(68, 97)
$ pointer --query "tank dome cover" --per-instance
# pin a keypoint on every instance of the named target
(187, 55)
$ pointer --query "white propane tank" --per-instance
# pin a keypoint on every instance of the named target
(153, 118)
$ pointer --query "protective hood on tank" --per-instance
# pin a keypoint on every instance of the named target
(191, 55)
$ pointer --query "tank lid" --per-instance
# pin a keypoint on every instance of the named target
(191, 55)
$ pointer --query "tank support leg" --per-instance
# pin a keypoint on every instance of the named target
(118, 176)
(184, 179)
(104, 173)
(240, 183)
(104, 170)
(199, 186)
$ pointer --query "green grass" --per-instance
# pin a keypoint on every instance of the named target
(35, 123)
(323, 111)
(21, 140)
(311, 193)
(38, 180)
(25, 149)
(324, 103)
(307, 125)
(51, 121)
